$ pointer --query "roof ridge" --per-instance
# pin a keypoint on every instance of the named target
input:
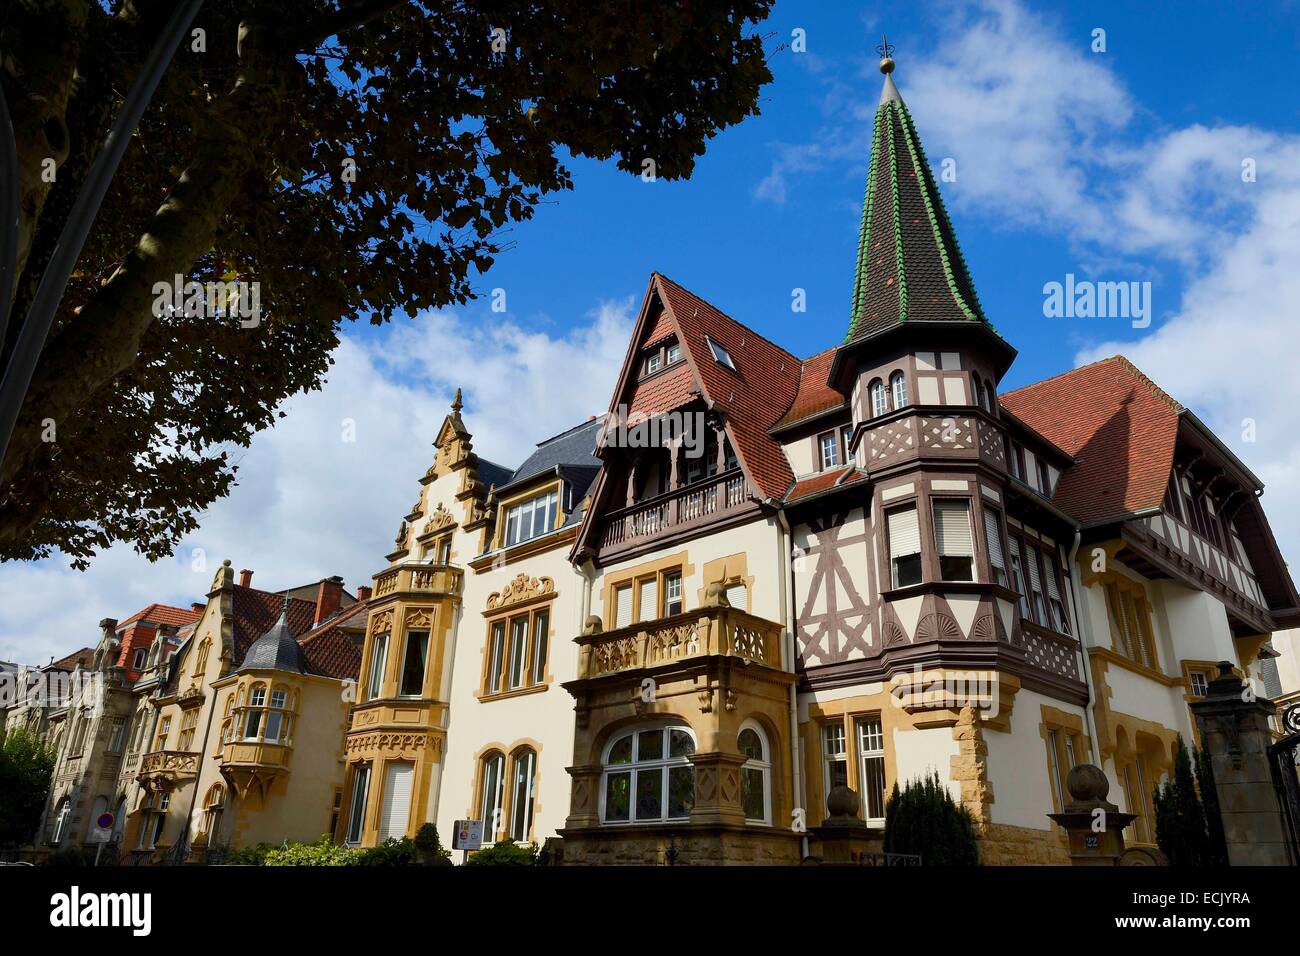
(728, 317)
(1123, 362)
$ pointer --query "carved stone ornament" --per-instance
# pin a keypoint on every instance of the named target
(401, 535)
(440, 519)
(381, 622)
(522, 588)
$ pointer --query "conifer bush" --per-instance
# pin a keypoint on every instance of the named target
(923, 819)
(1189, 827)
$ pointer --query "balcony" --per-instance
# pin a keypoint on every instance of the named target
(680, 508)
(419, 578)
(721, 631)
(254, 754)
(163, 769)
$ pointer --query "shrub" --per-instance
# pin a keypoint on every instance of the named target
(923, 818)
(389, 853)
(1182, 830)
(505, 853)
(321, 853)
(249, 855)
(430, 848)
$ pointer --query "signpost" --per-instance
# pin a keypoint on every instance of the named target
(102, 833)
(467, 836)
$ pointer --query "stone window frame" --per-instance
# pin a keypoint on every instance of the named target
(506, 618)
(1064, 735)
(510, 755)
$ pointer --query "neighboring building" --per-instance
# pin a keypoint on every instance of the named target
(43, 693)
(853, 569)
(93, 729)
(238, 733)
(1280, 675)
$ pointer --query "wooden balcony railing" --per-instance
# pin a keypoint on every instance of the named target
(414, 577)
(1051, 652)
(707, 631)
(680, 507)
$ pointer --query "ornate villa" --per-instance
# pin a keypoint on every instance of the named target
(850, 569)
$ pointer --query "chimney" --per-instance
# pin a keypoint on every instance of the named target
(363, 593)
(328, 598)
(245, 578)
(198, 607)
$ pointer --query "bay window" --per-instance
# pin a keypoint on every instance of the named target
(898, 390)
(357, 807)
(993, 540)
(378, 664)
(414, 663)
(648, 777)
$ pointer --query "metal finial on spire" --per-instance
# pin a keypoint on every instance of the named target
(886, 51)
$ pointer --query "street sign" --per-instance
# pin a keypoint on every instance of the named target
(105, 821)
(468, 835)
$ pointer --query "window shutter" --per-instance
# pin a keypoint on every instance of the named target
(649, 599)
(994, 535)
(1031, 554)
(904, 535)
(397, 801)
(738, 596)
(623, 606)
(952, 528)
(1049, 565)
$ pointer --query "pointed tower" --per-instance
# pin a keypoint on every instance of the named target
(912, 293)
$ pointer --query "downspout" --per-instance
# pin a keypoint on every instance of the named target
(1093, 744)
(785, 593)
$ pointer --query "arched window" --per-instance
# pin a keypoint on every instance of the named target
(213, 804)
(189, 720)
(898, 388)
(522, 791)
(979, 392)
(491, 781)
(264, 718)
(61, 821)
(879, 399)
(756, 774)
(201, 660)
(647, 776)
(990, 397)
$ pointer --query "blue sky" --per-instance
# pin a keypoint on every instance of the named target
(1123, 165)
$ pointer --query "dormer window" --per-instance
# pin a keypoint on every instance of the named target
(720, 354)
(654, 362)
(673, 354)
(531, 518)
(828, 449)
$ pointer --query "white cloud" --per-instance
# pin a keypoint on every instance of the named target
(309, 504)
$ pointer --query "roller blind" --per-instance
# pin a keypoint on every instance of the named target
(1049, 565)
(904, 535)
(952, 528)
(649, 599)
(397, 801)
(994, 535)
(623, 606)
(738, 596)
(1031, 559)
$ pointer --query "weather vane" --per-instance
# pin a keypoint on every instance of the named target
(886, 51)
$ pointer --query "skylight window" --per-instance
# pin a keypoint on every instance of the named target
(720, 354)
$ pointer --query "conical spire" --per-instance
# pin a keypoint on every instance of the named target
(909, 268)
(276, 649)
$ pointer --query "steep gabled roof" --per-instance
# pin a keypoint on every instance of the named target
(275, 650)
(162, 614)
(754, 396)
(84, 657)
(909, 267)
(1120, 426)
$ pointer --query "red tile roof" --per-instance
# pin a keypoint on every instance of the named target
(162, 614)
(664, 392)
(827, 479)
(814, 395)
(85, 657)
(256, 612)
(1119, 425)
(331, 650)
(754, 396)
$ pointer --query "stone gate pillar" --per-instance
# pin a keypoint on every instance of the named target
(1234, 732)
